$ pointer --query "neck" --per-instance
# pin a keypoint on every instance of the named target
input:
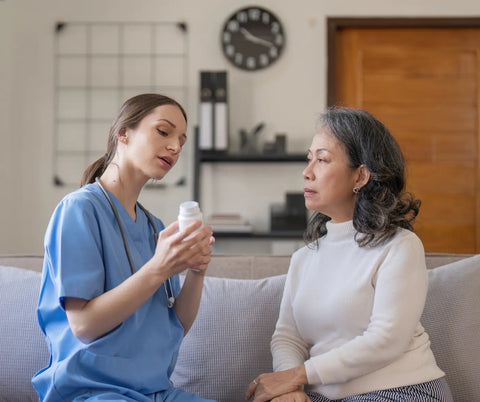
(126, 189)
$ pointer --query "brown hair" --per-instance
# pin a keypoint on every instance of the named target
(130, 115)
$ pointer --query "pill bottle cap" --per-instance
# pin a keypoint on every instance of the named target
(189, 208)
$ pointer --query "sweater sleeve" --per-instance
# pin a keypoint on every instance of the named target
(288, 348)
(400, 286)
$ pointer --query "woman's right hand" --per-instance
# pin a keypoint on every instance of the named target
(187, 249)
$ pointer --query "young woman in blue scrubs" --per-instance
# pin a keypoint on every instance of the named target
(111, 306)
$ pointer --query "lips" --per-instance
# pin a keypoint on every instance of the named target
(167, 160)
(308, 192)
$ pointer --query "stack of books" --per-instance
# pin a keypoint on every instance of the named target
(228, 223)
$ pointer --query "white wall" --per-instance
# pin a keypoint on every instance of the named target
(286, 96)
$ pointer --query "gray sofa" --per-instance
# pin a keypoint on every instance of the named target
(229, 342)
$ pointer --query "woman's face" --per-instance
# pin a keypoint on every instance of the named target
(328, 179)
(153, 147)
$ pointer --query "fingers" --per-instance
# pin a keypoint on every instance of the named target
(267, 386)
(296, 396)
(170, 229)
(191, 228)
(189, 248)
(195, 248)
(251, 390)
(199, 241)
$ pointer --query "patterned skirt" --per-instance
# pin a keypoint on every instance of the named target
(431, 391)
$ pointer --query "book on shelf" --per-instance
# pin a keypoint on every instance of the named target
(229, 223)
(232, 229)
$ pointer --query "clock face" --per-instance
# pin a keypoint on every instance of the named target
(252, 38)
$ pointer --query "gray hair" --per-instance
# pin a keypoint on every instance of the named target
(382, 205)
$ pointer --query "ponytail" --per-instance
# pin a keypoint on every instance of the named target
(94, 170)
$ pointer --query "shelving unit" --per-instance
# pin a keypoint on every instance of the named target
(202, 156)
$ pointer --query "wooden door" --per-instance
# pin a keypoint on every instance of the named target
(424, 84)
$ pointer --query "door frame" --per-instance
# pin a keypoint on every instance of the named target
(336, 24)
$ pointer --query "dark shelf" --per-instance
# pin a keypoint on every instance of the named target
(202, 156)
(209, 156)
(260, 235)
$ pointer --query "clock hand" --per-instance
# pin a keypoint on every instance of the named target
(254, 39)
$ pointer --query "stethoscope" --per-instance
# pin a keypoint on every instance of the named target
(169, 289)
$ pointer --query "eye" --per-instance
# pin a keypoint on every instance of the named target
(183, 140)
(163, 133)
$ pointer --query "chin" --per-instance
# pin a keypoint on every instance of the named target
(310, 205)
(158, 175)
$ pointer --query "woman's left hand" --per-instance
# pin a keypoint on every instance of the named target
(267, 386)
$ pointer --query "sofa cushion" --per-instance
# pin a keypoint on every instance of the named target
(452, 319)
(229, 343)
(23, 350)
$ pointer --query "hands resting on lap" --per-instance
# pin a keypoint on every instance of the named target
(281, 386)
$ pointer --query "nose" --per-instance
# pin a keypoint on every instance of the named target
(174, 146)
(308, 172)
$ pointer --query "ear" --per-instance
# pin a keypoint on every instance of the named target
(122, 135)
(363, 176)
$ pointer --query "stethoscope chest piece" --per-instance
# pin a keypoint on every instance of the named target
(171, 301)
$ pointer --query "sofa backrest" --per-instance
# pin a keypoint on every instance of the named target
(232, 266)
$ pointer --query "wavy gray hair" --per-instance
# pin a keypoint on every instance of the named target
(382, 205)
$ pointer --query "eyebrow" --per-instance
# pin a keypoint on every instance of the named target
(168, 121)
(318, 150)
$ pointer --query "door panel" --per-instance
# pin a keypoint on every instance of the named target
(424, 85)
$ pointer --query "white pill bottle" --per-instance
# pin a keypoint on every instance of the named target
(189, 212)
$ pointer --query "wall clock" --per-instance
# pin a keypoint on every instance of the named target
(252, 38)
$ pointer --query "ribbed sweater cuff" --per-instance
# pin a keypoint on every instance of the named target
(312, 374)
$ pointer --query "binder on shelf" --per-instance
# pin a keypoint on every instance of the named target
(213, 133)
(205, 139)
(220, 113)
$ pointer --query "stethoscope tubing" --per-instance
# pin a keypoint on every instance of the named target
(170, 295)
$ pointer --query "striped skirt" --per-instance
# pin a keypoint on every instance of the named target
(431, 391)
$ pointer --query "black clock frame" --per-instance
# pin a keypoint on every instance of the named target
(252, 38)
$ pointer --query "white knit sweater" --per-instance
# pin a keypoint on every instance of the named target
(351, 315)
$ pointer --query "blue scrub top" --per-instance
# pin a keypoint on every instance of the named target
(85, 257)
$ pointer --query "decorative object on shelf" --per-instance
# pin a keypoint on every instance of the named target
(279, 146)
(213, 111)
(213, 157)
(289, 216)
(252, 38)
(249, 140)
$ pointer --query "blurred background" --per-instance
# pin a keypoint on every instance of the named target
(67, 65)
